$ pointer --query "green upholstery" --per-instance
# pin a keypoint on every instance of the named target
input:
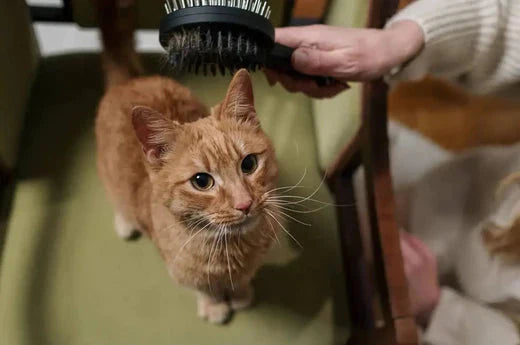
(337, 120)
(19, 57)
(67, 279)
(150, 13)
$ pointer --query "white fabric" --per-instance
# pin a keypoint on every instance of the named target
(449, 207)
(473, 42)
(449, 200)
(460, 321)
(405, 146)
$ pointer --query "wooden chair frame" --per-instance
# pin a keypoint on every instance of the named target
(388, 318)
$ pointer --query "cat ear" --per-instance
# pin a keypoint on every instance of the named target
(155, 132)
(239, 102)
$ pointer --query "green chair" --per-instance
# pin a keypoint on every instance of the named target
(65, 278)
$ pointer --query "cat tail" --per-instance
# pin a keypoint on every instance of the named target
(117, 22)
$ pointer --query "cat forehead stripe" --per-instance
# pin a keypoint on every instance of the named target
(260, 7)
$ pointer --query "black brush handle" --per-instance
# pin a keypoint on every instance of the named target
(280, 59)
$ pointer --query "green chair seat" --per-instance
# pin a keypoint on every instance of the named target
(66, 278)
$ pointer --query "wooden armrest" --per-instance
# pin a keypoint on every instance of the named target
(385, 234)
(388, 262)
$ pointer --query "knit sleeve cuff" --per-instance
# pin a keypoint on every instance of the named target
(445, 321)
(451, 31)
(458, 320)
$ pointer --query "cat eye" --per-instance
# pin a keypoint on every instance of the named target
(249, 164)
(202, 181)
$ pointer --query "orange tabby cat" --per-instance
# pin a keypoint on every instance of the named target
(196, 182)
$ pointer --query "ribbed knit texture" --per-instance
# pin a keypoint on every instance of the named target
(458, 320)
(473, 42)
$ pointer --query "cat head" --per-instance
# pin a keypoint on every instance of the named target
(215, 171)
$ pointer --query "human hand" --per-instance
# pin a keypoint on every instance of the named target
(420, 266)
(345, 54)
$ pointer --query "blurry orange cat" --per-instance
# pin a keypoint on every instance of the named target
(195, 181)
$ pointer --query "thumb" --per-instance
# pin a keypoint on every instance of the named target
(313, 61)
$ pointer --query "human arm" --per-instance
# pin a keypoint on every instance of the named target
(345, 54)
(472, 42)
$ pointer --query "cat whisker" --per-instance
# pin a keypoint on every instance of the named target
(189, 240)
(301, 207)
(213, 248)
(239, 241)
(283, 190)
(188, 222)
(192, 226)
(228, 262)
(287, 189)
(316, 190)
(300, 199)
(284, 229)
(274, 231)
(216, 248)
(289, 217)
(190, 219)
(280, 206)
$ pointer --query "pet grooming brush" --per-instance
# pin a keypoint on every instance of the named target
(216, 36)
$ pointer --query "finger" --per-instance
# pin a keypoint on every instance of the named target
(307, 86)
(410, 257)
(294, 37)
(319, 62)
(311, 88)
(422, 249)
(271, 76)
(328, 91)
(296, 85)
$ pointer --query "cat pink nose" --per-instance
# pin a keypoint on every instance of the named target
(244, 206)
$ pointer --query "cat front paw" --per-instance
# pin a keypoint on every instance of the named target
(125, 229)
(214, 312)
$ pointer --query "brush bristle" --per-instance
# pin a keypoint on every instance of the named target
(260, 7)
(208, 51)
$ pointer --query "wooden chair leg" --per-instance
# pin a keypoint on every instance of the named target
(381, 208)
(359, 290)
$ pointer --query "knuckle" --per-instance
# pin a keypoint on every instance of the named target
(317, 63)
(352, 63)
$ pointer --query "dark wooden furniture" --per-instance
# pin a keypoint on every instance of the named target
(377, 288)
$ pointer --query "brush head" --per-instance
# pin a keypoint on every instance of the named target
(216, 36)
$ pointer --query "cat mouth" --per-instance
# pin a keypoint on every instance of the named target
(242, 225)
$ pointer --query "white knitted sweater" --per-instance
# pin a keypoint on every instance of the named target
(473, 42)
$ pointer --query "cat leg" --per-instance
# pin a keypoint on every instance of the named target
(215, 310)
(124, 228)
(242, 298)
